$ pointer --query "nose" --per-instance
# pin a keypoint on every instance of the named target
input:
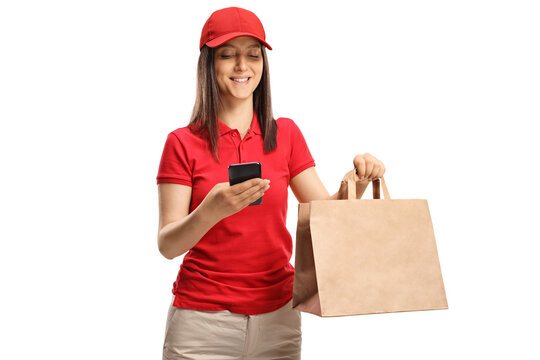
(241, 63)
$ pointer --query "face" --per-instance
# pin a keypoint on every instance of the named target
(238, 65)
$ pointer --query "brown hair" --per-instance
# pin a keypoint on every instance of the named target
(204, 119)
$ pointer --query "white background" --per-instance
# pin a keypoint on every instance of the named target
(445, 93)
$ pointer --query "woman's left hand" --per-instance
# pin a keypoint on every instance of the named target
(368, 167)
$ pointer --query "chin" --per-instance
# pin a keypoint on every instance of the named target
(242, 96)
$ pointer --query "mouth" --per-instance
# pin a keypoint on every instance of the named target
(240, 80)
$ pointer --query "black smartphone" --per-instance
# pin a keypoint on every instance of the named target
(241, 172)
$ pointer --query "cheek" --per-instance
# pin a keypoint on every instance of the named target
(220, 70)
(221, 78)
(259, 73)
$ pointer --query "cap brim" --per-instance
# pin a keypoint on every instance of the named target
(220, 40)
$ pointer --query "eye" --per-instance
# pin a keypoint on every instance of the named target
(225, 56)
(254, 56)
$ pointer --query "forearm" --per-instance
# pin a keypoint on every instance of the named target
(178, 237)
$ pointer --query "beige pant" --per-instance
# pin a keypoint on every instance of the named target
(216, 335)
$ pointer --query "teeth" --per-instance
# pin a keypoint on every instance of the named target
(241, 80)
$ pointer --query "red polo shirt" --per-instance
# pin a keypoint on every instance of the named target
(242, 263)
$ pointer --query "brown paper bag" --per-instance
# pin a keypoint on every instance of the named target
(363, 256)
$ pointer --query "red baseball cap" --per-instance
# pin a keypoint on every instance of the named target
(229, 23)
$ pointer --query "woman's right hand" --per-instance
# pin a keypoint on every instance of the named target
(224, 200)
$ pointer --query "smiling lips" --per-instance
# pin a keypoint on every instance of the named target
(241, 80)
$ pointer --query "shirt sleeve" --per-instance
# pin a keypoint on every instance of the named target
(300, 157)
(174, 165)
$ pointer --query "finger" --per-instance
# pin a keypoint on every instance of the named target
(382, 170)
(250, 191)
(253, 194)
(374, 173)
(360, 166)
(245, 185)
(369, 168)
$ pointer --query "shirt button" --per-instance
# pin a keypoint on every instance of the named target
(233, 134)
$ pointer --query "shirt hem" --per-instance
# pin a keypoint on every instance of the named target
(298, 170)
(238, 309)
(174, 181)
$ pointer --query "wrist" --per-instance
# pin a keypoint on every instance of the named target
(206, 215)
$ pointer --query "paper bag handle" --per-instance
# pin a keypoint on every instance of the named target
(375, 184)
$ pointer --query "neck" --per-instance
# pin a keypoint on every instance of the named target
(236, 114)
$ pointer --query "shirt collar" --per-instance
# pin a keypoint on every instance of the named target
(255, 127)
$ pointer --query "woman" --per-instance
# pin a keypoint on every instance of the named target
(232, 298)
